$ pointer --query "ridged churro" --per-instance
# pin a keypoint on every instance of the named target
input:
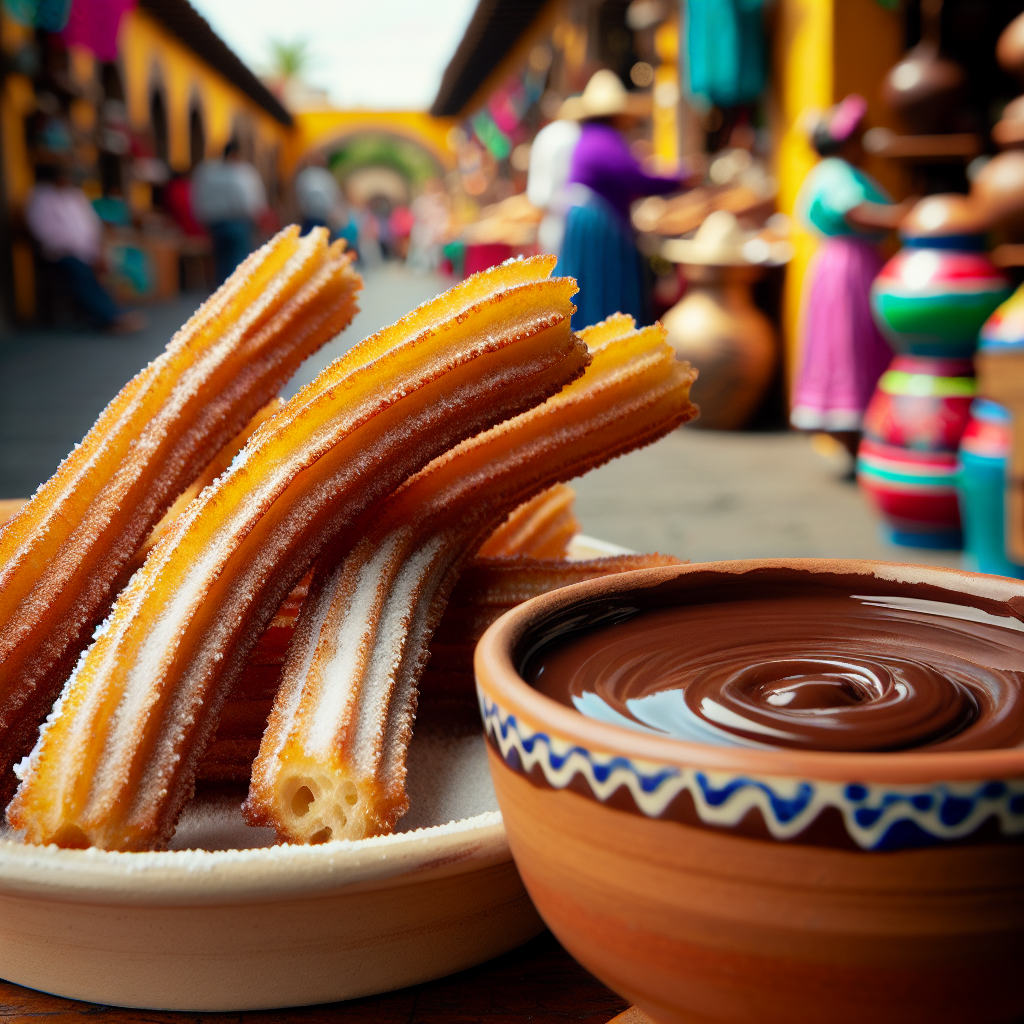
(332, 761)
(487, 588)
(116, 761)
(541, 527)
(67, 552)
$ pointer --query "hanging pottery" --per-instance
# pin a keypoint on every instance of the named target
(907, 461)
(717, 328)
(929, 300)
(981, 484)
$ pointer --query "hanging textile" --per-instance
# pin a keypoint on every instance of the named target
(725, 50)
(94, 25)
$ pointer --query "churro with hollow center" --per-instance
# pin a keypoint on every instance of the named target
(116, 761)
(67, 552)
(332, 761)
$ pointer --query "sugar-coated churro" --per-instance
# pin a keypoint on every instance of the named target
(487, 588)
(332, 761)
(67, 552)
(541, 527)
(116, 760)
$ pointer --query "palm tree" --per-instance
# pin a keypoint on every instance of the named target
(289, 60)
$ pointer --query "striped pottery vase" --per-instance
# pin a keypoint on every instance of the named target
(932, 297)
(981, 487)
(907, 462)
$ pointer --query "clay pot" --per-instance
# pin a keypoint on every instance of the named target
(998, 188)
(907, 460)
(717, 328)
(1010, 48)
(632, 845)
(924, 89)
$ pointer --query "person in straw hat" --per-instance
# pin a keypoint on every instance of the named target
(598, 248)
(843, 352)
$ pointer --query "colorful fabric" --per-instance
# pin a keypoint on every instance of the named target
(843, 352)
(831, 191)
(603, 163)
(599, 252)
(94, 24)
(725, 50)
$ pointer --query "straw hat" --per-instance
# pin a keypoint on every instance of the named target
(605, 96)
(718, 242)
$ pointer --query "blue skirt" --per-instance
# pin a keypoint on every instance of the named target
(599, 251)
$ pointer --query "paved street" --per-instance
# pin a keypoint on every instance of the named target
(697, 494)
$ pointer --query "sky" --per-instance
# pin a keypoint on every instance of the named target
(384, 54)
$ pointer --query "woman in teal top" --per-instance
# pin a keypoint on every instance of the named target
(843, 353)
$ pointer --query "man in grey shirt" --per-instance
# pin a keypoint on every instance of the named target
(228, 196)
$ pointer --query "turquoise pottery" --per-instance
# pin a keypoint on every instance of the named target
(933, 296)
(981, 487)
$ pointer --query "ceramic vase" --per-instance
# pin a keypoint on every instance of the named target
(929, 300)
(1000, 366)
(907, 462)
(981, 488)
(717, 328)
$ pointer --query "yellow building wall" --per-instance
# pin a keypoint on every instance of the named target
(151, 55)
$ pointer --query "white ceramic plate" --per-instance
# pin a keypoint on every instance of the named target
(225, 920)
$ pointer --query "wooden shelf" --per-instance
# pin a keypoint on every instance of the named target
(956, 146)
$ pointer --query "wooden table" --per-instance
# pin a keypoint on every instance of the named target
(537, 982)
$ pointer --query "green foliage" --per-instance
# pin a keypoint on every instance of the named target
(379, 149)
(288, 60)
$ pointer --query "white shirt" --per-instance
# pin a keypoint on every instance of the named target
(64, 223)
(317, 193)
(550, 161)
(227, 190)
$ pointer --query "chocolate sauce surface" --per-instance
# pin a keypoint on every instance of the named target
(819, 670)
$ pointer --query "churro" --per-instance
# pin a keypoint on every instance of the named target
(332, 761)
(487, 588)
(67, 552)
(541, 527)
(116, 760)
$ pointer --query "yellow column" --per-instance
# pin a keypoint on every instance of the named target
(803, 76)
(666, 97)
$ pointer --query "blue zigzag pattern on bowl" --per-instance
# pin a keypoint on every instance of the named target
(877, 817)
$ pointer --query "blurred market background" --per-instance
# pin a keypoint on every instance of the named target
(411, 129)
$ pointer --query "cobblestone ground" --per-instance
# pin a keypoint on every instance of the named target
(697, 494)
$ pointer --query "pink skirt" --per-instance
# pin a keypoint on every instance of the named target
(844, 353)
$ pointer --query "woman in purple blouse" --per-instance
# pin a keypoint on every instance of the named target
(605, 177)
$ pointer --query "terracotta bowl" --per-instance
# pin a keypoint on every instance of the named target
(709, 883)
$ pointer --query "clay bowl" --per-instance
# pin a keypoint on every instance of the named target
(708, 883)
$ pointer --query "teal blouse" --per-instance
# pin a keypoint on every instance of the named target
(830, 191)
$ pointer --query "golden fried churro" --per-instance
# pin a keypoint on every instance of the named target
(332, 761)
(218, 464)
(541, 527)
(116, 760)
(65, 555)
(487, 588)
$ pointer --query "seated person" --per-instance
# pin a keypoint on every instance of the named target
(70, 233)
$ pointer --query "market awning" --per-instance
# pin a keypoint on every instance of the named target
(493, 31)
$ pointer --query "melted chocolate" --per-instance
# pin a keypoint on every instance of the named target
(817, 670)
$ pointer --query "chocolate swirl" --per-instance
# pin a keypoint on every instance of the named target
(821, 672)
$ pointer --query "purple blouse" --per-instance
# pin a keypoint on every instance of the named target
(602, 161)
